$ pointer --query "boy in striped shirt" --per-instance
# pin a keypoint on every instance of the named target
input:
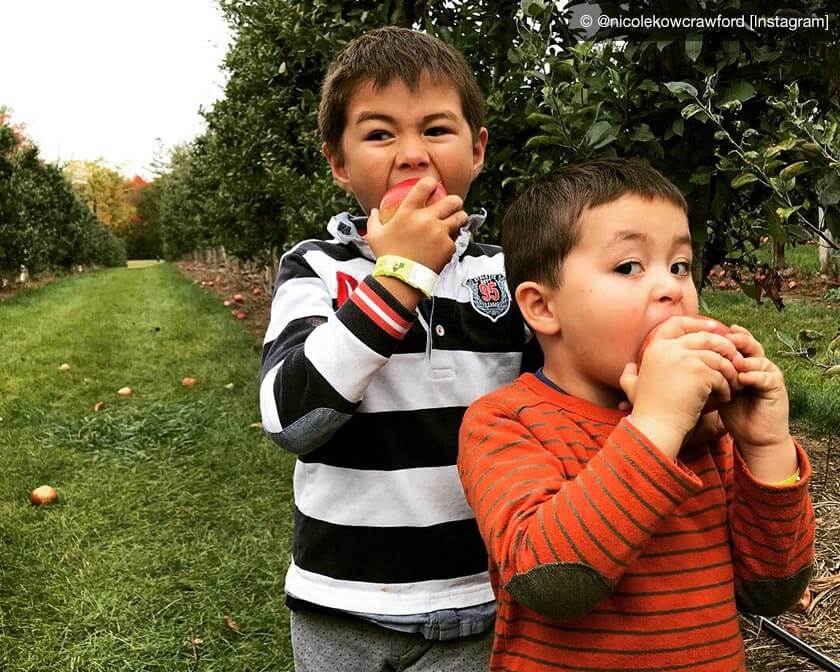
(612, 546)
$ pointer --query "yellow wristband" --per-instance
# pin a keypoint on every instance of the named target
(410, 272)
(788, 481)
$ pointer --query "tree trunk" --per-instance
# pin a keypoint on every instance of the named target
(778, 255)
(827, 262)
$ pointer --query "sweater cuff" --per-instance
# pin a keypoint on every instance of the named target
(375, 317)
(769, 493)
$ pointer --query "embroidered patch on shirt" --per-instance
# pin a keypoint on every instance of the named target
(489, 295)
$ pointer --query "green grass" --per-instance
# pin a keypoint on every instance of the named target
(801, 257)
(173, 512)
(814, 398)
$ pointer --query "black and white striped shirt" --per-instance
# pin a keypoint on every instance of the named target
(370, 397)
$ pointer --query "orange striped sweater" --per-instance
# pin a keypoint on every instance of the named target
(607, 555)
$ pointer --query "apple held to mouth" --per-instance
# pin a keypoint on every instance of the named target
(720, 329)
(396, 195)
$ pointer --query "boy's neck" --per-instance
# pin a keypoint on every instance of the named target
(574, 383)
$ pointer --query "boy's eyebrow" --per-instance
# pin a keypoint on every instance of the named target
(621, 236)
(377, 116)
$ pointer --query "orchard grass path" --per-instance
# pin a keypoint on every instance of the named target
(174, 513)
(169, 545)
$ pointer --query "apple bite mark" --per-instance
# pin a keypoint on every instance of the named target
(396, 195)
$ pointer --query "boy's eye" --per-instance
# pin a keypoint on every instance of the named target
(377, 135)
(438, 130)
(681, 268)
(629, 268)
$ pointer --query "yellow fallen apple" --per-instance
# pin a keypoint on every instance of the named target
(125, 392)
(64, 367)
(45, 494)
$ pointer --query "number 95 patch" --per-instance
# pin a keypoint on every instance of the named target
(489, 295)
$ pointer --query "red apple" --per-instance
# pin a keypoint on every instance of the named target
(44, 494)
(256, 291)
(792, 284)
(188, 382)
(396, 194)
(239, 315)
(239, 298)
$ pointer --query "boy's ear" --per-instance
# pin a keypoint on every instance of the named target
(536, 304)
(479, 146)
(339, 172)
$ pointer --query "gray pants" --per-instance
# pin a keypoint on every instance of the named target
(328, 643)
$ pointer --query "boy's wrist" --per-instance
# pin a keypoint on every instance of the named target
(658, 433)
(770, 463)
(409, 297)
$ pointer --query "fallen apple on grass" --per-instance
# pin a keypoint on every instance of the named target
(64, 367)
(239, 298)
(99, 405)
(240, 315)
(226, 303)
(125, 391)
(396, 195)
(45, 494)
(188, 382)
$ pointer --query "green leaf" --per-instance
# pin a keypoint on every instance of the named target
(741, 90)
(830, 193)
(513, 56)
(701, 176)
(598, 133)
(810, 335)
(648, 85)
(780, 147)
(642, 134)
(680, 88)
(742, 179)
(693, 47)
(543, 140)
(691, 110)
(539, 118)
(793, 170)
(773, 226)
(678, 126)
(784, 213)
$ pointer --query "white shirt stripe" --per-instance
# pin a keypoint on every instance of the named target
(417, 497)
(417, 597)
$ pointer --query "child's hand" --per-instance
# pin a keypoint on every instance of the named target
(422, 233)
(757, 417)
(676, 378)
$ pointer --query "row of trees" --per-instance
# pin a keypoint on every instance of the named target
(745, 123)
(43, 223)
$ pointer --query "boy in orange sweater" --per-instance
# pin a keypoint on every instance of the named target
(611, 546)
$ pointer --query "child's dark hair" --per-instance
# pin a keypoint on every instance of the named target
(389, 53)
(541, 226)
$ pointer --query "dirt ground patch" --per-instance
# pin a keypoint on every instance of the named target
(817, 626)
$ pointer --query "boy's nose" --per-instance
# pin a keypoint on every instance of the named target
(412, 153)
(668, 288)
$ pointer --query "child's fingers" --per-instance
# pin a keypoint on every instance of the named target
(448, 206)
(455, 222)
(745, 342)
(760, 373)
(419, 193)
(675, 327)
